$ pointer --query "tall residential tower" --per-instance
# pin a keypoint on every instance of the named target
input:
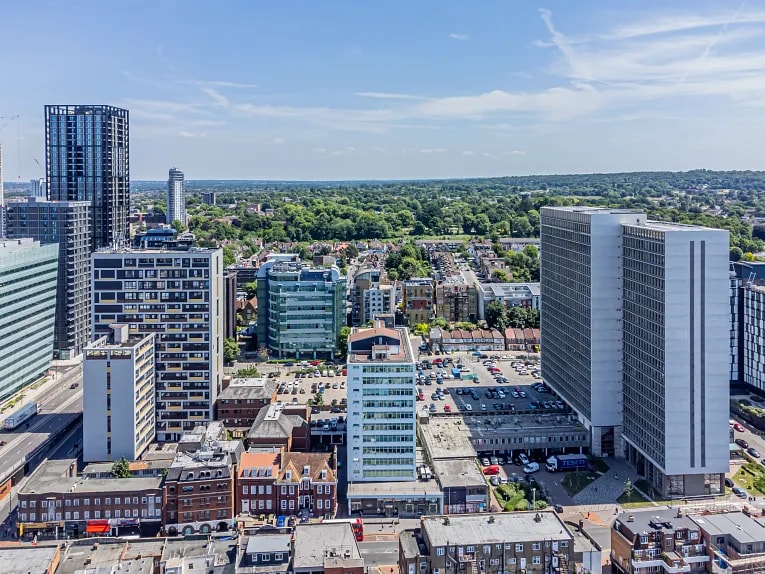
(176, 197)
(87, 158)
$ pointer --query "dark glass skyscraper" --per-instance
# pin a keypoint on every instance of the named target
(87, 158)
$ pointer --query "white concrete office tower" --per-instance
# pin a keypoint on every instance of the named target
(381, 405)
(118, 396)
(28, 273)
(676, 322)
(2, 196)
(176, 197)
(580, 284)
(177, 294)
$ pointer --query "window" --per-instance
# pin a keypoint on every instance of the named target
(644, 540)
(278, 557)
(292, 505)
(536, 546)
(536, 559)
(511, 560)
(284, 489)
(292, 489)
(469, 549)
(268, 504)
(564, 543)
(440, 551)
(319, 489)
(245, 489)
(487, 549)
(319, 504)
(284, 505)
(86, 515)
(519, 547)
(694, 535)
(265, 557)
(117, 501)
(268, 489)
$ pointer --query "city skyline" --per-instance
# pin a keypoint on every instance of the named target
(318, 93)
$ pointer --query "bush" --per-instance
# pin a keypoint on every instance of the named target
(521, 505)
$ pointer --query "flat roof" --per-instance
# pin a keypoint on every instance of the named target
(671, 226)
(367, 345)
(49, 478)
(737, 525)
(277, 542)
(456, 472)
(641, 521)
(259, 388)
(472, 529)
(316, 542)
(445, 438)
(395, 489)
(479, 426)
(24, 559)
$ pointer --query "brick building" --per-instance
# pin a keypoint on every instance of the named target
(281, 425)
(240, 403)
(418, 300)
(287, 483)
(198, 493)
(55, 500)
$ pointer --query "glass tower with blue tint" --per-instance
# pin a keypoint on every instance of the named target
(87, 158)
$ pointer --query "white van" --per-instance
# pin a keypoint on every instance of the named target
(524, 459)
(531, 467)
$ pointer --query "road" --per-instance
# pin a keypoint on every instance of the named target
(60, 404)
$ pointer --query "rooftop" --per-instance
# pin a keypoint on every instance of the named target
(456, 472)
(379, 344)
(739, 526)
(255, 388)
(50, 478)
(315, 543)
(25, 560)
(15, 246)
(655, 519)
(672, 226)
(267, 543)
(445, 437)
(429, 489)
(511, 289)
(259, 465)
(272, 422)
(480, 426)
(471, 529)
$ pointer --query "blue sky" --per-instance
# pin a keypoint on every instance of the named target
(333, 89)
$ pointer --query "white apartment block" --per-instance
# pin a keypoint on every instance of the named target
(178, 296)
(118, 396)
(581, 335)
(676, 336)
(381, 405)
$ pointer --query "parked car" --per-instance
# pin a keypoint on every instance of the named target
(753, 452)
(494, 480)
(491, 469)
(740, 492)
(729, 483)
(485, 462)
(531, 467)
(742, 443)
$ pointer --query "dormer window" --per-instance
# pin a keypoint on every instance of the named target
(190, 476)
(288, 475)
(306, 470)
(323, 474)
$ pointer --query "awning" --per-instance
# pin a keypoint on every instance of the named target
(98, 527)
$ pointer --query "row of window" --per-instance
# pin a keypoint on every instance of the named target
(86, 501)
(86, 514)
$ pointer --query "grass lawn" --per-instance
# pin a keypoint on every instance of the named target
(748, 475)
(575, 482)
(635, 500)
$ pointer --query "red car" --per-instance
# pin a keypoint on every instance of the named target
(738, 427)
(447, 408)
(491, 469)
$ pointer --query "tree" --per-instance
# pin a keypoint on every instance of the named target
(121, 468)
(421, 329)
(736, 254)
(230, 350)
(748, 256)
(628, 490)
(495, 316)
(342, 341)
(178, 225)
(229, 256)
(318, 399)
(246, 373)
(251, 288)
(500, 276)
(351, 251)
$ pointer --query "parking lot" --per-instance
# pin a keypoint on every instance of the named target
(500, 384)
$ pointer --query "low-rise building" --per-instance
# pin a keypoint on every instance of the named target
(418, 298)
(658, 541)
(282, 426)
(463, 340)
(491, 543)
(55, 500)
(26, 560)
(457, 299)
(268, 551)
(509, 294)
(734, 540)
(198, 492)
(240, 402)
(517, 339)
(326, 549)
(287, 483)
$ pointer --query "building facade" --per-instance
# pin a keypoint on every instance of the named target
(676, 330)
(87, 158)
(381, 405)
(178, 296)
(118, 396)
(581, 334)
(417, 301)
(370, 296)
(66, 223)
(28, 274)
(509, 294)
(240, 403)
(176, 197)
(492, 543)
(457, 300)
(300, 309)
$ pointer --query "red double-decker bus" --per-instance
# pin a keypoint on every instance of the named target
(356, 525)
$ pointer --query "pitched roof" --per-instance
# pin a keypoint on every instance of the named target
(316, 461)
(253, 464)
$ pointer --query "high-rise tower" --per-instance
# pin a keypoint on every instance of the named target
(87, 158)
(176, 196)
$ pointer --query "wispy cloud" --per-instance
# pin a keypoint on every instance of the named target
(187, 134)
(277, 141)
(468, 152)
(455, 36)
(219, 84)
(433, 150)
(217, 97)
(389, 96)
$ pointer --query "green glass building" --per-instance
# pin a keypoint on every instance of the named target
(28, 273)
